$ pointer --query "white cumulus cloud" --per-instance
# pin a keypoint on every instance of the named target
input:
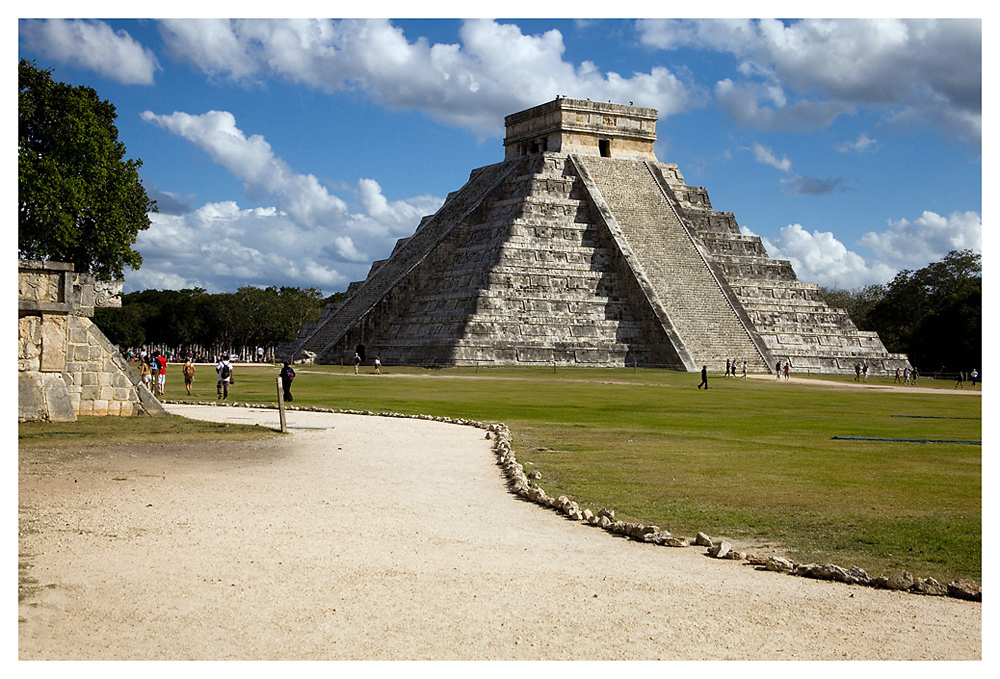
(765, 155)
(252, 160)
(911, 244)
(303, 235)
(863, 144)
(93, 45)
(494, 70)
(802, 75)
(819, 257)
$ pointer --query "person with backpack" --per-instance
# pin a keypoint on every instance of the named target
(225, 371)
(287, 374)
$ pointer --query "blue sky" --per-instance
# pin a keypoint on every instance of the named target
(296, 152)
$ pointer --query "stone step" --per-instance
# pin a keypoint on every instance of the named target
(684, 283)
(380, 281)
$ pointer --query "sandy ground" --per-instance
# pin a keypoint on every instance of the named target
(367, 538)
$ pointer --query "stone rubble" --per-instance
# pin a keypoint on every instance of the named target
(520, 485)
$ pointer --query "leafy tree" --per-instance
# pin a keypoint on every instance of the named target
(125, 326)
(79, 199)
(933, 314)
(859, 303)
(298, 307)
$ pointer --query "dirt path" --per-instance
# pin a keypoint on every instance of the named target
(390, 539)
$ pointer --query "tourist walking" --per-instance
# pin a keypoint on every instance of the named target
(160, 362)
(154, 370)
(287, 374)
(777, 370)
(704, 377)
(975, 376)
(744, 371)
(164, 359)
(960, 384)
(864, 370)
(897, 376)
(188, 372)
(145, 373)
(357, 363)
(378, 365)
(787, 369)
(224, 369)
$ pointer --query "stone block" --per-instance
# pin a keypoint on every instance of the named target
(80, 353)
(534, 355)
(593, 356)
(53, 343)
(29, 335)
(43, 397)
(78, 335)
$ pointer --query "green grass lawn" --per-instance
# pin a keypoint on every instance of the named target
(754, 460)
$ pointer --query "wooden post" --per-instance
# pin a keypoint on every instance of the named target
(281, 407)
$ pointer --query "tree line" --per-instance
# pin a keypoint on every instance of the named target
(934, 314)
(194, 320)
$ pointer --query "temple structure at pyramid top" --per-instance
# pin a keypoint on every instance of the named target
(587, 128)
(581, 248)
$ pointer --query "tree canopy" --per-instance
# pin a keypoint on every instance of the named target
(933, 314)
(79, 199)
(227, 321)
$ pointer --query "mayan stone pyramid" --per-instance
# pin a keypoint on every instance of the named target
(580, 248)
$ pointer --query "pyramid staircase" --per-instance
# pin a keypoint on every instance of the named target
(792, 317)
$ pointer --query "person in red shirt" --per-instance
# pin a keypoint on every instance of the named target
(161, 378)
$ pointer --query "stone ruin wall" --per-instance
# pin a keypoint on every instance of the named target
(66, 366)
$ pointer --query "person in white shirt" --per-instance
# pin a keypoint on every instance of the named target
(225, 371)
